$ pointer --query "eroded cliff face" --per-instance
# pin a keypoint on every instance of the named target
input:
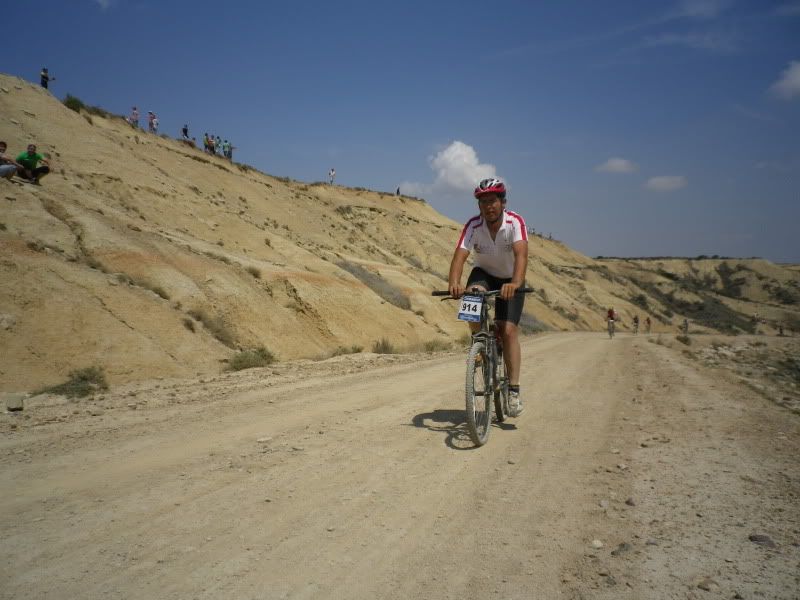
(152, 259)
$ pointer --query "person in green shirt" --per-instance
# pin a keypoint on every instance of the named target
(30, 161)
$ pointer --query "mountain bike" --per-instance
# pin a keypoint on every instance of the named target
(610, 328)
(487, 380)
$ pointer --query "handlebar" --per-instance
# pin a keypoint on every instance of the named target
(489, 294)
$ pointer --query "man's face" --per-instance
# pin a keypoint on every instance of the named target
(491, 207)
(2, 148)
(31, 149)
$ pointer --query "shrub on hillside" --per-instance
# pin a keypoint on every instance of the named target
(248, 359)
(354, 349)
(80, 383)
(383, 346)
(215, 326)
(74, 103)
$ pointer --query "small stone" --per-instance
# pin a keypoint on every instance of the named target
(707, 584)
(298, 448)
(614, 451)
(132, 405)
(597, 544)
(331, 528)
(652, 542)
(264, 440)
(621, 549)
(512, 462)
(630, 502)
(603, 503)
(762, 540)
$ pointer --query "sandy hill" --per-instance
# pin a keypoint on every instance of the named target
(153, 259)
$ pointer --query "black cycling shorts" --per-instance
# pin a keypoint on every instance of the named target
(504, 310)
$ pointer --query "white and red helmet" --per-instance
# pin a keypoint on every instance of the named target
(491, 186)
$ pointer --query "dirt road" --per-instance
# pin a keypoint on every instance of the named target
(634, 473)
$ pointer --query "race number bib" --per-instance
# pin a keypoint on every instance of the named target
(470, 309)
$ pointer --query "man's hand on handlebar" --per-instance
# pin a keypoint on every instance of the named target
(456, 290)
(508, 290)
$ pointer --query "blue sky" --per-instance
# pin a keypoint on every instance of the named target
(626, 128)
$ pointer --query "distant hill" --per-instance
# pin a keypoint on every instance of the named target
(152, 259)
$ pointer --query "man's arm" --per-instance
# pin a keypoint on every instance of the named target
(520, 249)
(456, 270)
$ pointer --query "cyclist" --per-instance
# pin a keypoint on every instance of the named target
(500, 241)
(647, 324)
(635, 324)
(611, 317)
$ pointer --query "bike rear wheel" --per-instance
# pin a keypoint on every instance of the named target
(479, 393)
(501, 392)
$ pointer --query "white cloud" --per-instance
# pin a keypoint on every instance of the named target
(104, 4)
(788, 86)
(458, 170)
(666, 183)
(616, 165)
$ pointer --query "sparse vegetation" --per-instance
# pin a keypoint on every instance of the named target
(189, 324)
(354, 349)
(436, 346)
(80, 383)
(76, 104)
(377, 284)
(73, 103)
(215, 326)
(248, 359)
(640, 300)
(254, 271)
(684, 339)
(383, 346)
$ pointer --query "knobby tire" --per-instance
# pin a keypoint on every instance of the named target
(479, 394)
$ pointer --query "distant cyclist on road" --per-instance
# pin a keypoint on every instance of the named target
(500, 241)
(611, 319)
(635, 324)
(647, 325)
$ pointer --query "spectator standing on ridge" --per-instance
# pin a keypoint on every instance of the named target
(397, 192)
(647, 325)
(218, 145)
(8, 166)
(331, 175)
(134, 118)
(185, 131)
(45, 77)
(155, 124)
(30, 169)
(226, 149)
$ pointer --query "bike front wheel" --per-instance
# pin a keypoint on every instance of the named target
(479, 393)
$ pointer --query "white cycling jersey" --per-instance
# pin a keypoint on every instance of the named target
(495, 256)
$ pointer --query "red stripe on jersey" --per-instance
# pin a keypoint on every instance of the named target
(466, 227)
(521, 224)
